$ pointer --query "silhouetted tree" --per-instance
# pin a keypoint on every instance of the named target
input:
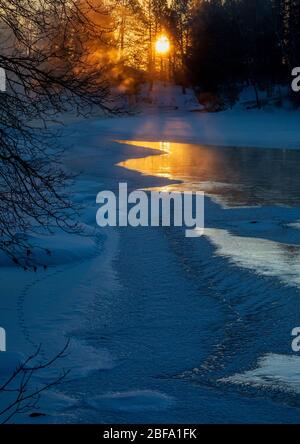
(52, 66)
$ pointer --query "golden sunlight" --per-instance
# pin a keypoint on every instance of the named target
(162, 45)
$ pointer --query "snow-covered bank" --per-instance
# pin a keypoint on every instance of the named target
(272, 128)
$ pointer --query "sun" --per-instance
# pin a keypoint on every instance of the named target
(162, 45)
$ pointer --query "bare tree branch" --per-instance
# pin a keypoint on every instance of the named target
(26, 397)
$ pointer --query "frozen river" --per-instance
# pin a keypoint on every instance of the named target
(164, 328)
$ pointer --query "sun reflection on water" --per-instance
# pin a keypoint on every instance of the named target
(233, 176)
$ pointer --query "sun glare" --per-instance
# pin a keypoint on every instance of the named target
(162, 45)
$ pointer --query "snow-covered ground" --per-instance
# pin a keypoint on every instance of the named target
(165, 329)
(241, 128)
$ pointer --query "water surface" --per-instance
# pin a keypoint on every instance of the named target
(233, 176)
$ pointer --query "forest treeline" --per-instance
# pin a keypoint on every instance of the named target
(253, 42)
(217, 45)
